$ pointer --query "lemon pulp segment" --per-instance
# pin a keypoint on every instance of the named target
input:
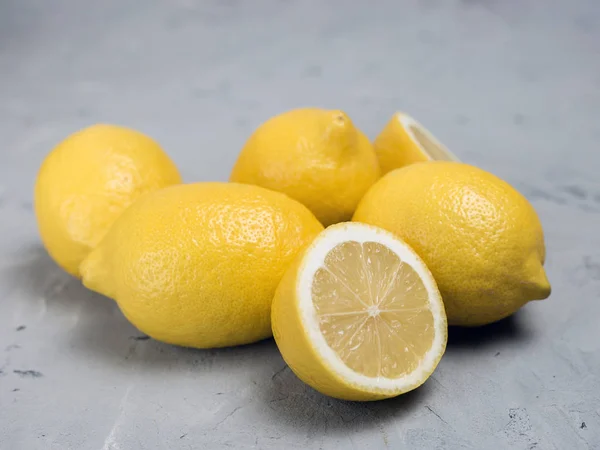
(372, 309)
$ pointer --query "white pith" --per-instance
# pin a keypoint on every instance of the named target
(315, 258)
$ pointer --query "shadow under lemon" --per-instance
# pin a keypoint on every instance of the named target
(102, 332)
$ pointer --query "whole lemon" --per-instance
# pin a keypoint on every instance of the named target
(315, 156)
(197, 265)
(88, 180)
(481, 239)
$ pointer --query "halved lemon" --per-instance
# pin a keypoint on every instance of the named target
(405, 141)
(358, 316)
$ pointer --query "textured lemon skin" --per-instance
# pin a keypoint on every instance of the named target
(315, 156)
(481, 239)
(88, 180)
(197, 265)
(298, 351)
(395, 148)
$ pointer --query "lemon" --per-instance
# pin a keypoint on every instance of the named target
(197, 265)
(358, 315)
(315, 156)
(87, 181)
(481, 239)
(405, 141)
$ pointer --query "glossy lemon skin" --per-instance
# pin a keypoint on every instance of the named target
(481, 239)
(395, 148)
(315, 156)
(197, 265)
(88, 180)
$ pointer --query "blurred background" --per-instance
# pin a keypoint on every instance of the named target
(503, 84)
(511, 86)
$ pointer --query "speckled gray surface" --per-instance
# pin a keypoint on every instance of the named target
(512, 86)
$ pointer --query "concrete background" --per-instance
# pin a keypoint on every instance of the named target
(511, 86)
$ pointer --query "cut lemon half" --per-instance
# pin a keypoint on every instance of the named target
(358, 316)
(405, 141)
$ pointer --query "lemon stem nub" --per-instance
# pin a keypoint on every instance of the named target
(95, 273)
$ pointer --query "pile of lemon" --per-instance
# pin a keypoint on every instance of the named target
(415, 240)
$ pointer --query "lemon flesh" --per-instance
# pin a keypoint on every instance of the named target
(359, 316)
(370, 305)
(405, 141)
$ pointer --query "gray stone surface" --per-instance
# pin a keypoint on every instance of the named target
(511, 86)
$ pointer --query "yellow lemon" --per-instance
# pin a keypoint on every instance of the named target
(315, 156)
(481, 239)
(358, 315)
(405, 141)
(88, 180)
(197, 265)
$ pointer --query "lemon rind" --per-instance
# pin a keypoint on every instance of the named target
(407, 123)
